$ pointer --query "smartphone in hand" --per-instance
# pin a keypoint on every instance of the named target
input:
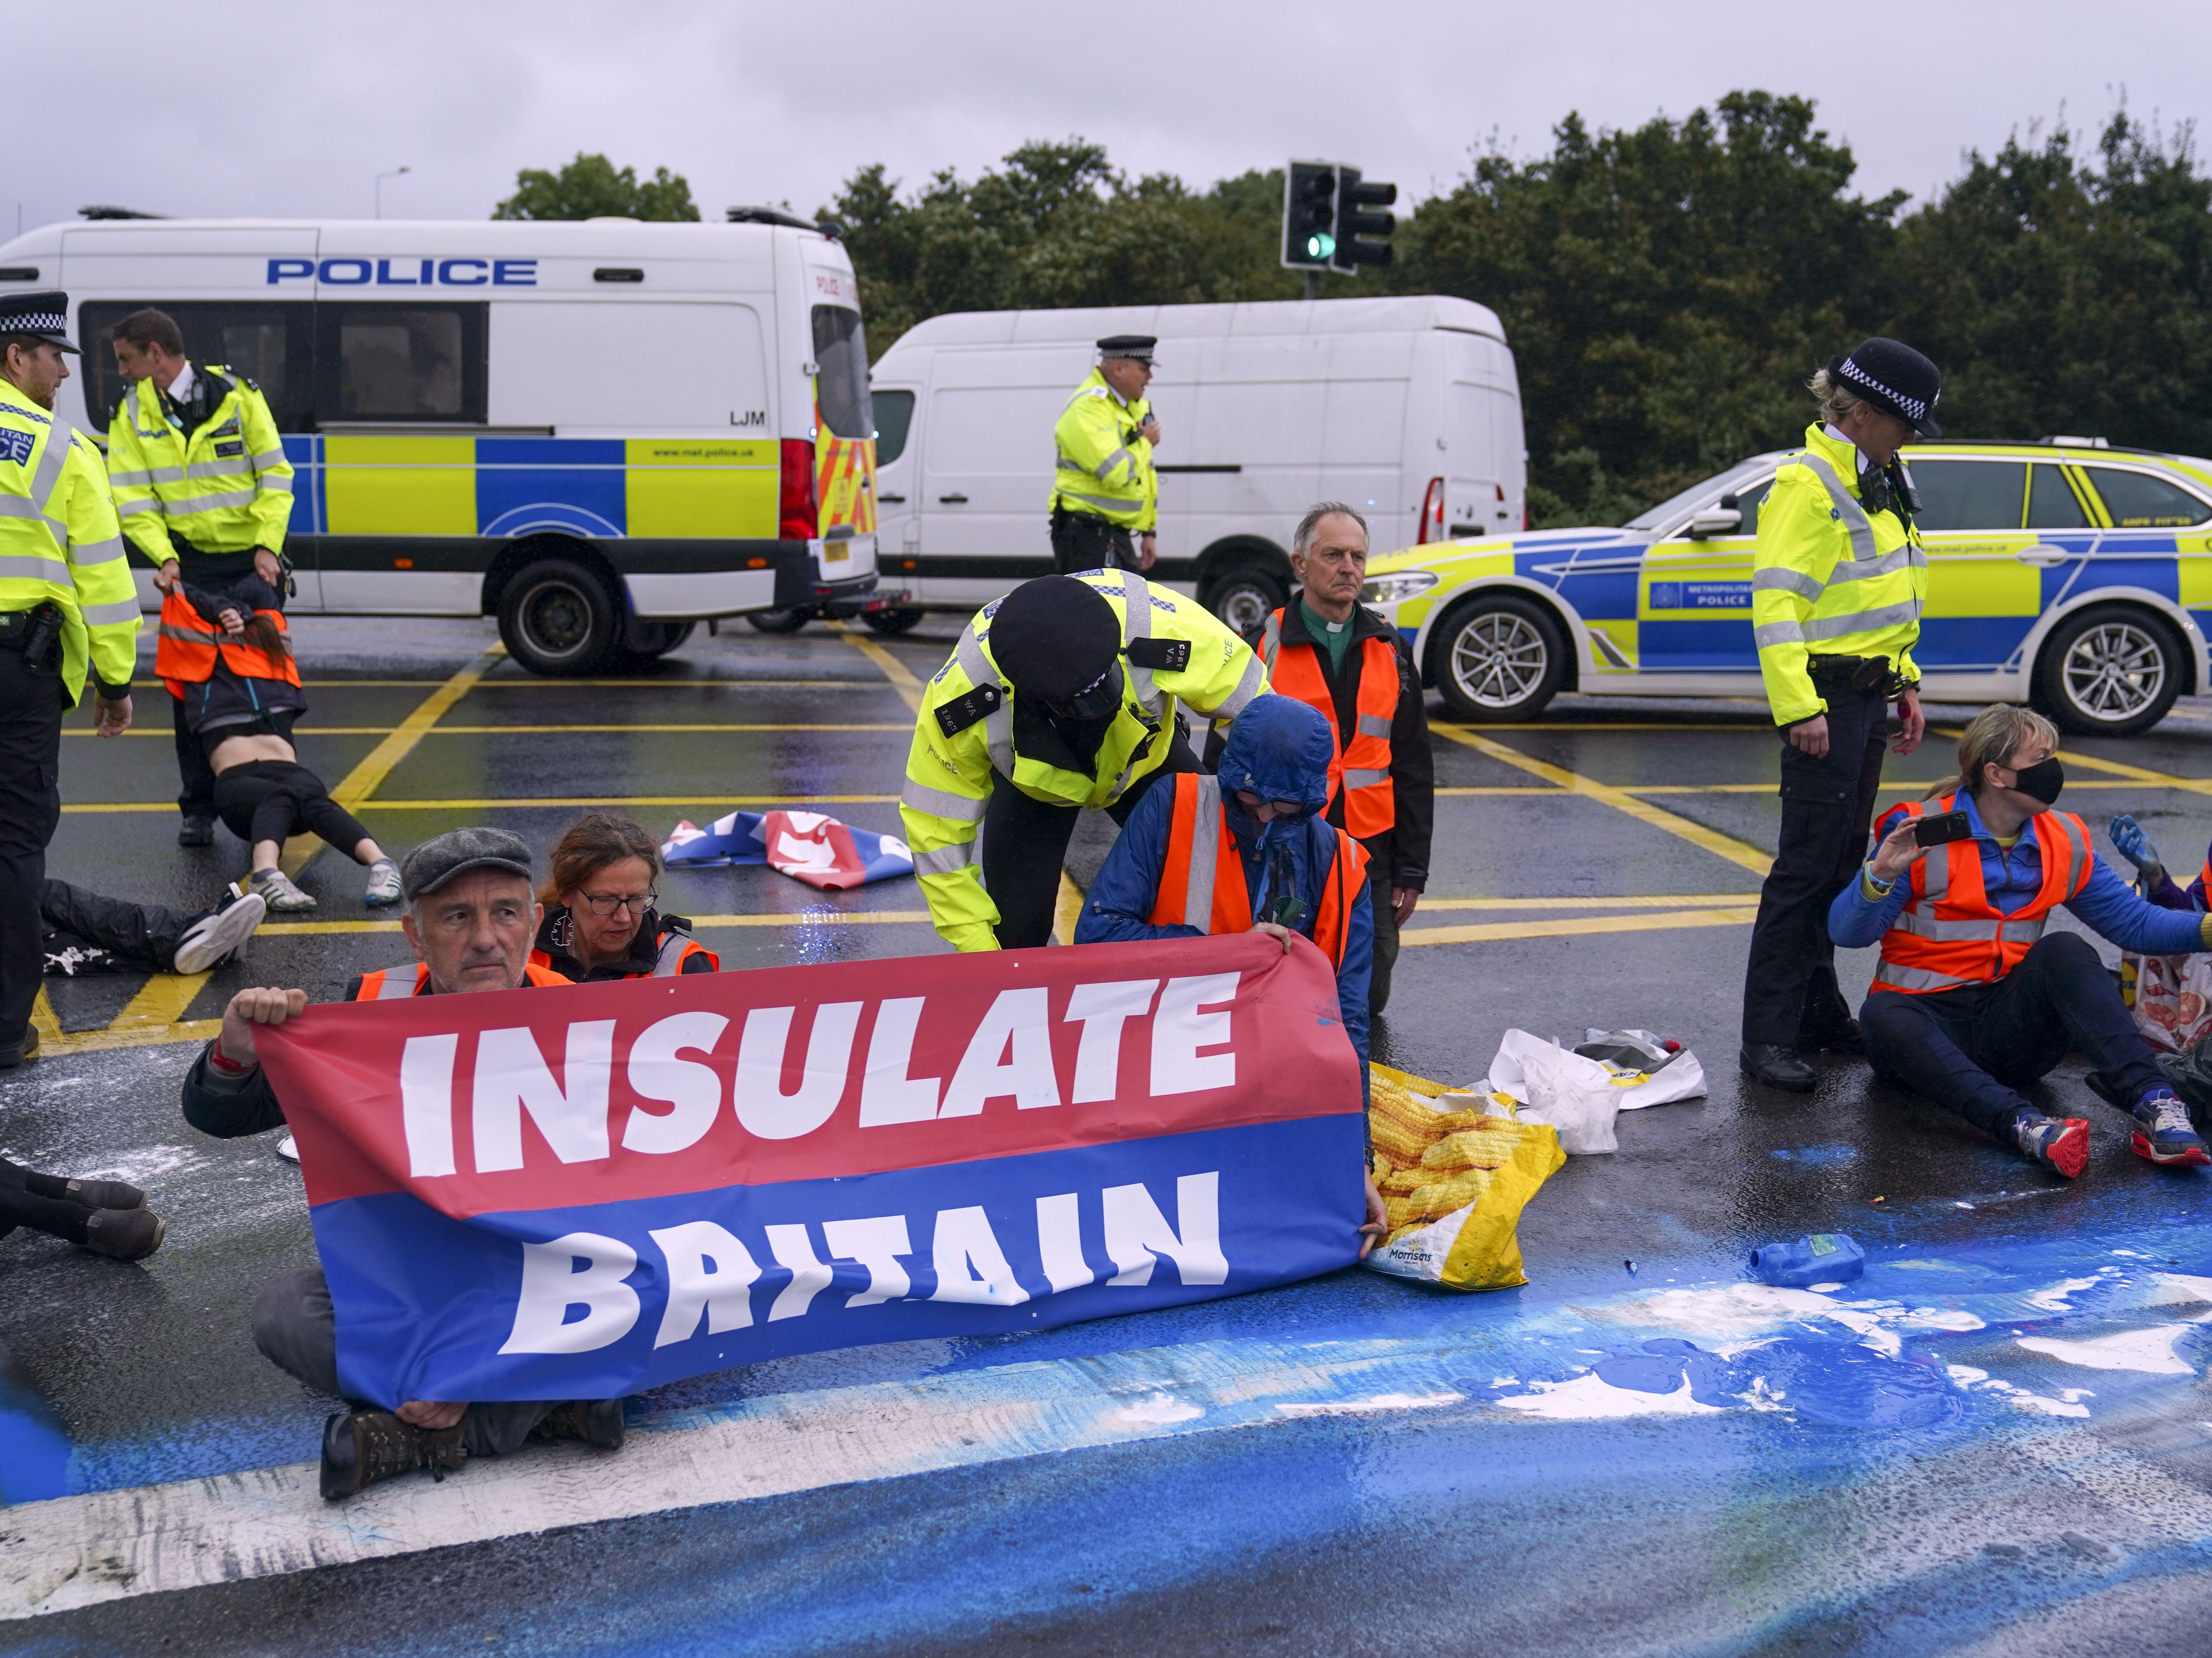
(1940, 828)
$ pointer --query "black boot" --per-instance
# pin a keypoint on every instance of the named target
(1777, 1066)
(13, 1053)
(595, 1421)
(125, 1234)
(362, 1447)
(99, 1193)
(196, 832)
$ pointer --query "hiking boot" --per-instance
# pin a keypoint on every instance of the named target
(2057, 1142)
(383, 884)
(274, 887)
(13, 1053)
(1777, 1066)
(213, 937)
(125, 1234)
(103, 1194)
(595, 1421)
(362, 1447)
(196, 832)
(2162, 1130)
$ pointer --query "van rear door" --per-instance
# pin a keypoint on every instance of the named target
(844, 428)
(1481, 420)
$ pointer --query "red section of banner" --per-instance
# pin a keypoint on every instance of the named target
(548, 1098)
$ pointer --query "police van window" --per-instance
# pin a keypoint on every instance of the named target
(1969, 495)
(894, 415)
(840, 358)
(2137, 501)
(2052, 504)
(403, 362)
(272, 345)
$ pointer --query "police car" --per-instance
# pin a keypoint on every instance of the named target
(2066, 573)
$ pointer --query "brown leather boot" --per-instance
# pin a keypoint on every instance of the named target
(595, 1421)
(362, 1447)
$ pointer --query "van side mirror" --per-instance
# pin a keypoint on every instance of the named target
(1716, 521)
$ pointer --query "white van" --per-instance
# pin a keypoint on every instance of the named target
(599, 433)
(1406, 408)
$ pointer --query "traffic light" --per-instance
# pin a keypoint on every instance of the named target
(1353, 223)
(1310, 215)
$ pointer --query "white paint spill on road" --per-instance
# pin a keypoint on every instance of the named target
(1589, 1398)
(2148, 1350)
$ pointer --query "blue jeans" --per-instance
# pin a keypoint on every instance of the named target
(1962, 1048)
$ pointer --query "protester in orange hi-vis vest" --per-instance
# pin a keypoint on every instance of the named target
(1245, 850)
(469, 916)
(1972, 996)
(1329, 652)
(602, 916)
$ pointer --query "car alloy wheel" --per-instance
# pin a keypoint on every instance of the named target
(1500, 661)
(2113, 671)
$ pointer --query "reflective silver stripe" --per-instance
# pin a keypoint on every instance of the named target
(1252, 684)
(944, 861)
(1205, 850)
(1790, 581)
(1136, 623)
(184, 636)
(29, 567)
(1897, 558)
(232, 466)
(1104, 504)
(1937, 880)
(1067, 466)
(2077, 870)
(96, 552)
(399, 983)
(1271, 640)
(670, 962)
(2014, 930)
(101, 615)
(1365, 780)
(124, 509)
(1777, 633)
(1915, 978)
(1922, 925)
(269, 458)
(208, 503)
(1104, 469)
(1373, 725)
(999, 724)
(166, 474)
(1860, 621)
(48, 477)
(18, 507)
(942, 802)
(1847, 507)
(279, 485)
(121, 480)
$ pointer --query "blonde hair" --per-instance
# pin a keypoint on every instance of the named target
(1992, 738)
(1831, 399)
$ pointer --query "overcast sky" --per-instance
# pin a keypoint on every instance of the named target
(250, 108)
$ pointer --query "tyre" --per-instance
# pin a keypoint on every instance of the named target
(2111, 671)
(1245, 597)
(556, 617)
(779, 622)
(891, 622)
(647, 640)
(1500, 657)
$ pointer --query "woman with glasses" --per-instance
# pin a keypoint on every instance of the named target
(601, 919)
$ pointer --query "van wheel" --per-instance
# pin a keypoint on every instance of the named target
(556, 617)
(891, 622)
(649, 641)
(1500, 658)
(779, 622)
(1246, 597)
(2110, 672)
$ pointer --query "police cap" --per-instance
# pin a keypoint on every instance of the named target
(43, 315)
(1054, 637)
(1139, 346)
(1895, 379)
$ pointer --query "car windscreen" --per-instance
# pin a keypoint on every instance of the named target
(841, 361)
(1689, 497)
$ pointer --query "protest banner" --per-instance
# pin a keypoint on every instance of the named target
(582, 1192)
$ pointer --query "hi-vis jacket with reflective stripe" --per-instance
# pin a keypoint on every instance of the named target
(1361, 766)
(949, 772)
(224, 487)
(396, 984)
(58, 542)
(1105, 463)
(1950, 934)
(667, 950)
(1833, 579)
(185, 652)
(1202, 876)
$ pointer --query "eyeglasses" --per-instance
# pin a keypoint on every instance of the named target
(606, 904)
(1282, 808)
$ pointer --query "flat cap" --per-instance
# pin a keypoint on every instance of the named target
(44, 315)
(442, 858)
(1139, 346)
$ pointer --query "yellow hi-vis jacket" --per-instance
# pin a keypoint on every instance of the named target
(224, 487)
(58, 541)
(1105, 462)
(1174, 650)
(1833, 579)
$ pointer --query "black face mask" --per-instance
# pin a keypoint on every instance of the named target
(1099, 700)
(2043, 780)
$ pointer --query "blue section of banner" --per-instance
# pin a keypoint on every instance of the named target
(425, 1303)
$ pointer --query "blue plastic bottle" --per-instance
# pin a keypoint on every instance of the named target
(1822, 1258)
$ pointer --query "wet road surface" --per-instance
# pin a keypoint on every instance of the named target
(1998, 1441)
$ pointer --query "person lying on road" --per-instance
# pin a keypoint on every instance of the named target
(469, 916)
(104, 1216)
(88, 932)
(1972, 996)
(601, 919)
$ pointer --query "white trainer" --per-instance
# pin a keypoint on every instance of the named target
(213, 937)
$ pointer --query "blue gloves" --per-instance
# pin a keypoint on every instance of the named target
(2132, 844)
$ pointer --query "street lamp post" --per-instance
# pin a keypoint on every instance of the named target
(381, 177)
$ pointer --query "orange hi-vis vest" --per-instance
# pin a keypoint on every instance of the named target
(1202, 878)
(1950, 934)
(189, 644)
(396, 984)
(1361, 766)
(676, 948)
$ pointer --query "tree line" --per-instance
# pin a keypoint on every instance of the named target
(1665, 289)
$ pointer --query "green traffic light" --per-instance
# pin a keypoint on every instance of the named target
(1319, 246)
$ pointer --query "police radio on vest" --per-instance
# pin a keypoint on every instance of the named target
(406, 273)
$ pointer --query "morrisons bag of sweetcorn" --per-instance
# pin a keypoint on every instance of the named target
(1456, 1169)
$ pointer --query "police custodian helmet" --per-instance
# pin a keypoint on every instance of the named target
(43, 316)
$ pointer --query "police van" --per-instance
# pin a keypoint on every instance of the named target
(600, 433)
(1409, 409)
(2068, 572)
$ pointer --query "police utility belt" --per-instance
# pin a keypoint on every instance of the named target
(1870, 674)
(36, 633)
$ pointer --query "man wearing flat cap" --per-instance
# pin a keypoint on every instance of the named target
(470, 916)
(1104, 489)
(1835, 610)
(68, 612)
(1065, 694)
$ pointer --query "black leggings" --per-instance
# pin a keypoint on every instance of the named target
(35, 1200)
(272, 800)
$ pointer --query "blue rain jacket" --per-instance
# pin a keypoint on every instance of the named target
(1280, 749)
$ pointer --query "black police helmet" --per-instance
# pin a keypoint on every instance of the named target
(1896, 380)
(1054, 637)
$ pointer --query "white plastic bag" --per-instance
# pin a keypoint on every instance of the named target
(1576, 1096)
(1684, 1079)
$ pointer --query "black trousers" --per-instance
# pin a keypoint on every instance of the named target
(197, 797)
(1790, 985)
(30, 1198)
(271, 799)
(1966, 1048)
(31, 709)
(1026, 846)
(1081, 542)
(90, 932)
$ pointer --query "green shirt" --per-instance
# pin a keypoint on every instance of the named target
(1335, 637)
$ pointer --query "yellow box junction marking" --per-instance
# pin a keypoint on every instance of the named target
(901, 676)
